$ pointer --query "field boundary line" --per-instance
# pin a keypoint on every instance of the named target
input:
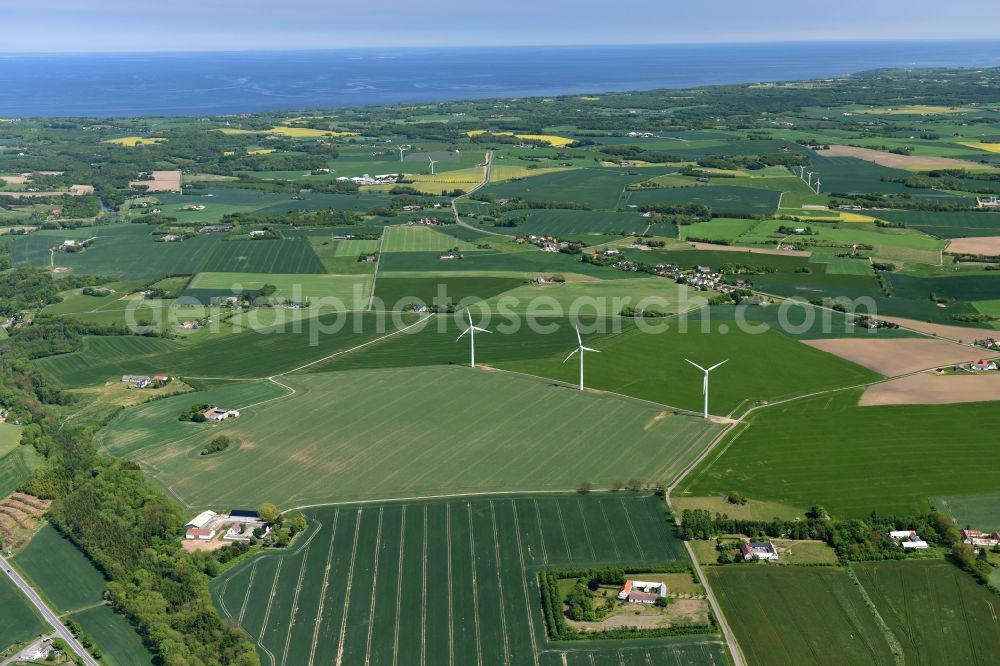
(423, 596)
(323, 587)
(607, 523)
(524, 582)
(319, 360)
(586, 533)
(894, 645)
(371, 608)
(503, 610)
(451, 616)
(347, 593)
(541, 534)
(352, 349)
(267, 614)
(246, 596)
(485, 493)
(295, 606)
(598, 392)
(631, 528)
(381, 244)
(475, 585)
(562, 526)
(399, 585)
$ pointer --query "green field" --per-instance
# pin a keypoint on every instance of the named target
(19, 621)
(16, 468)
(935, 610)
(563, 223)
(63, 574)
(798, 615)
(653, 366)
(248, 354)
(430, 429)
(605, 297)
(340, 257)
(421, 239)
(975, 511)
(448, 583)
(10, 437)
(73, 586)
(956, 224)
(350, 291)
(394, 293)
(854, 460)
(722, 199)
(120, 643)
(601, 189)
(156, 422)
(129, 252)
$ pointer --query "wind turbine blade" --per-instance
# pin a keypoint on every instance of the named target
(695, 364)
(462, 335)
(717, 365)
(570, 355)
(469, 315)
(481, 330)
(589, 349)
(579, 340)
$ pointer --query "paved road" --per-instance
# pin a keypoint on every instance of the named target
(60, 630)
(487, 173)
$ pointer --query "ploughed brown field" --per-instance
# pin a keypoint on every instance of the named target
(933, 389)
(893, 357)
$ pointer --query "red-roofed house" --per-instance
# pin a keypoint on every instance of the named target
(980, 538)
(200, 533)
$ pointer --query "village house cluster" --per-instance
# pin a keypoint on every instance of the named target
(378, 179)
(144, 381)
(908, 540)
(240, 525)
(548, 243)
(981, 539)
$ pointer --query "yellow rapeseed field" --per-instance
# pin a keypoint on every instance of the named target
(307, 132)
(133, 141)
(551, 139)
(988, 147)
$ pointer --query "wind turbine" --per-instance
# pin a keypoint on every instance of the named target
(401, 149)
(433, 162)
(802, 172)
(810, 174)
(704, 387)
(817, 186)
(581, 349)
(472, 338)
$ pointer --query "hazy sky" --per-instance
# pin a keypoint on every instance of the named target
(190, 25)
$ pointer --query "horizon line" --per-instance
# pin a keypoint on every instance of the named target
(429, 47)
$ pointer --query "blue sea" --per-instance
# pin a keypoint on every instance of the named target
(232, 83)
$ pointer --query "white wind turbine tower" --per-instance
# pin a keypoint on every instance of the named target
(810, 174)
(472, 338)
(802, 172)
(401, 149)
(704, 387)
(433, 162)
(581, 350)
(817, 185)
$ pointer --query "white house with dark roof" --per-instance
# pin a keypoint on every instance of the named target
(759, 550)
